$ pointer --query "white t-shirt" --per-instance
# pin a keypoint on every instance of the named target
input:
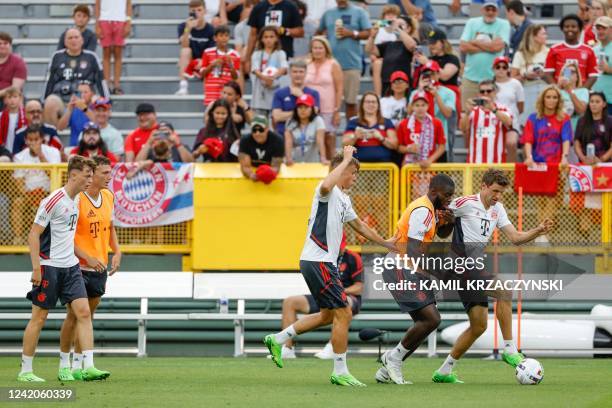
(477, 223)
(420, 222)
(327, 217)
(34, 179)
(305, 147)
(113, 10)
(509, 94)
(212, 9)
(538, 61)
(384, 36)
(393, 109)
(58, 214)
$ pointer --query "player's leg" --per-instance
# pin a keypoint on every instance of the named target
(30, 341)
(291, 307)
(478, 315)
(510, 354)
(67, 335)
(339, 340)
(77, 357)
(328, 351)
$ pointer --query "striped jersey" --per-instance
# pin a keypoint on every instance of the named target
(473, 222)
(218, 76)
(58, 214)
(94, 226)
(487, 136)
(418, 221)
(325, 225)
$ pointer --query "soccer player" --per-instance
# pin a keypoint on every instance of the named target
(331, 208)
(95, 233)
(416, 229)
(477, 216)
(56, 273)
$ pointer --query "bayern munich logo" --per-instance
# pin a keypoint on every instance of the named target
(143, 193)
(579, 180)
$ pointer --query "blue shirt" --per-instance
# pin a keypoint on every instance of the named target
(517, 36)
(479, 65)
(347, 51)
(284, 101)
(77, 122)
(428, 12)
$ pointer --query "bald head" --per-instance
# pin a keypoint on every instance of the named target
(73, 41)
(33, 112)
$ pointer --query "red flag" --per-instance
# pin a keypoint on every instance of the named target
(539, 180)
(602, 178)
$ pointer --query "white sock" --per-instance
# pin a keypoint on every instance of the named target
(183, 84)
(64, 360)
(88, 359)
(447, 367)
(26, 364)
(399, 352)
(283, 336)
(77, 361)
(510, 347)
(340, 367)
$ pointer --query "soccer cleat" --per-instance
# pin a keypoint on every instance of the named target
(93, 374)
(512, 359)
(346, 380)
(77, 373)
(394, 369)
(448, 378)
(29, 377)
(64, 375)
(275, 350)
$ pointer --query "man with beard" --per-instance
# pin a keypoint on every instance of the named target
(91, 144)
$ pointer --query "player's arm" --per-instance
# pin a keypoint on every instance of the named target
(355, 289)
(333, 177)
(366, 231)
(34, 245)
(447, 223)
(91, 261)
(520, 238)
(114, 245)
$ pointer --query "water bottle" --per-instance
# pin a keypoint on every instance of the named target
(224, 305)
(590, 150)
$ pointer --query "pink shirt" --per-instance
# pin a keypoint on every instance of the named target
(320, 78)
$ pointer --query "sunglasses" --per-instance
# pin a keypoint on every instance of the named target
(257, 129)
(501, 67)
(486, 91)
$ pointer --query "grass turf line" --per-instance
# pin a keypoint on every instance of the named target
(256, 382)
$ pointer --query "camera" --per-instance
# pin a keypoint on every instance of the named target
(479, 101)
(383, 23)
(162, 134)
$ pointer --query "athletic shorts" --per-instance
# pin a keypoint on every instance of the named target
(65, 284)
(352, 79)
(112, 34)
(409, 300)
(95, 283)
(471, 298)
(324, 283)
(314, 308)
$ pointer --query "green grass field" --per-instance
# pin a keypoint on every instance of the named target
(255, 382)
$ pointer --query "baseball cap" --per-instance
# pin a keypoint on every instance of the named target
(398, 75)
(306, 100)
(91, 126)
(145, 108)
(259, 120)
(491, 3)
(419, 95)
(165, 124)
(501, 58)
(436, 35)
(101, 103)
(603, 21)
(431, 66)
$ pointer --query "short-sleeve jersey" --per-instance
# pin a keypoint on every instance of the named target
(325, 225)
(94, 226)
(418, 221)
(475, 224)
(58, 215)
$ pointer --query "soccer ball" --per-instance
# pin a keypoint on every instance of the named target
(529, 372)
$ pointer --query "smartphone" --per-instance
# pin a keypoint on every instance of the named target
(162, 134)
(383, 23)
(479, 101)
(566, 73)
(78, 94)
(192, 15)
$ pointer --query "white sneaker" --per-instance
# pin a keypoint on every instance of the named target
(182, 89)
(394, 369)
(327, 353)
(287, 352)
(382, 377)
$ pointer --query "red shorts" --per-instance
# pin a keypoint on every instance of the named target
(112, 34)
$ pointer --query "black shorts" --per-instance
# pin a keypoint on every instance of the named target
(63, 283)
(409, 300)
(95, 283)
(324, 283)
(314, 308)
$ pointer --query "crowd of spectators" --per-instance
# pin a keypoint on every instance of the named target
(513, 94)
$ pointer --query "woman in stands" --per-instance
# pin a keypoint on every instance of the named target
(372, 134)
(510, 94)
(218, 140)
(305, 134)
(241, 112)
(528, 65)
(324, 74)
(394, 105)
(268, 64)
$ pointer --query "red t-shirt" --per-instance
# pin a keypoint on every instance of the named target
(135, 140)
(588, 36)
(218, 77)
(407, 137)
(108, 155)
(14, 67)
(561, 54)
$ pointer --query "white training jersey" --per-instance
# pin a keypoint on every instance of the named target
(325, 225)
(58, 214)
(474, 223)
